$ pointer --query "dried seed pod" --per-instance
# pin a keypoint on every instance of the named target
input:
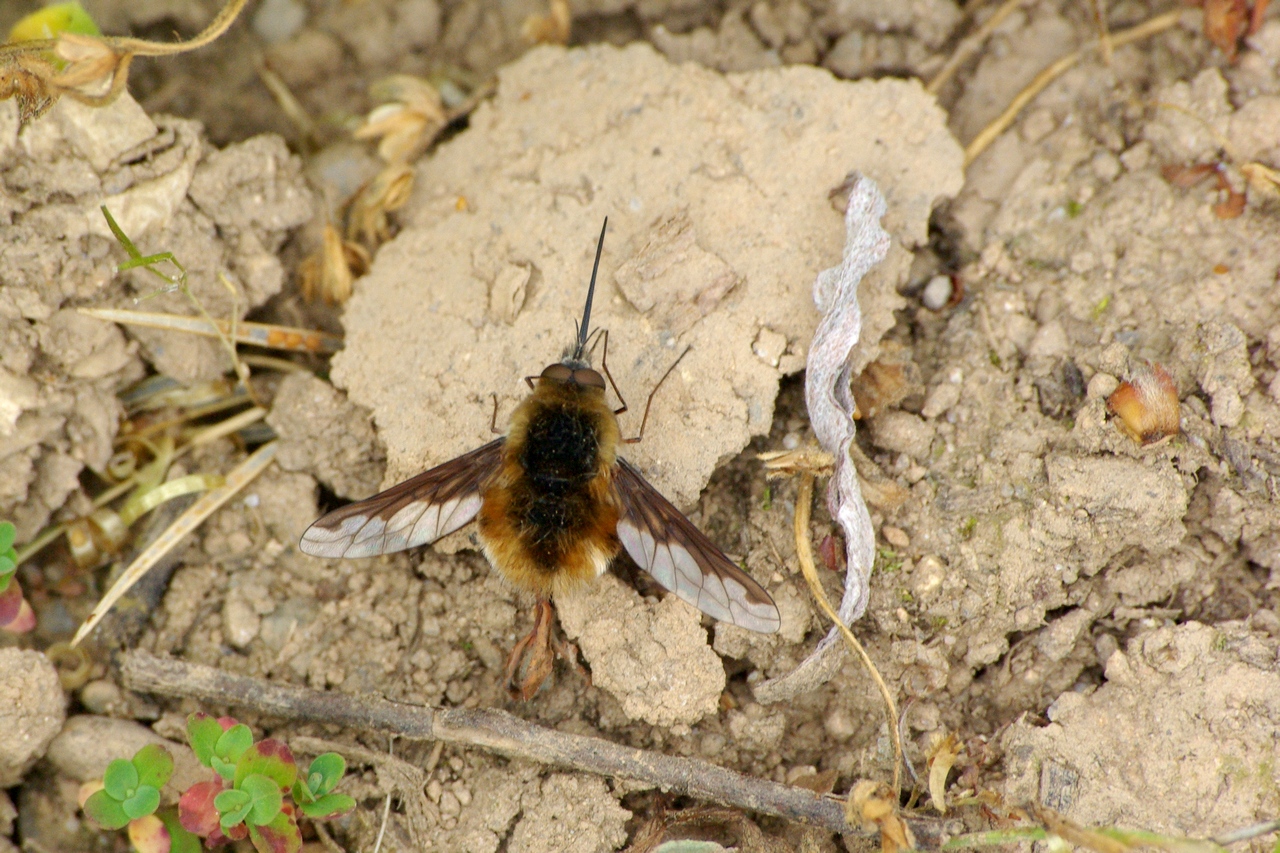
(1146, 404)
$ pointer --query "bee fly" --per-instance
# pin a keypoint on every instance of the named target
(555, 503)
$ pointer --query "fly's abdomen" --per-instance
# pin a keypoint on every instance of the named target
(559, 459)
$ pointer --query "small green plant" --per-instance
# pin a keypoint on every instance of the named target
(888, 560)
(16, 615)
(128, 795)
(256, 793)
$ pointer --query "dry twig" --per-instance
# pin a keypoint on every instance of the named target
(971, 45)
(492, 730)
(983, 140)
(91, 69)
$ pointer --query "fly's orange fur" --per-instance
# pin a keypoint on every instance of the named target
(548, 520)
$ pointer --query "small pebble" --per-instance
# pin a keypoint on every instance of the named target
(839, 724)
(277, 20)
(937, 293)
(240, 623)
(449, 805)
(895, 536)
(102, 697)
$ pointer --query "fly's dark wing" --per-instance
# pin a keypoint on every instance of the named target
(415, 512)
(680, 557)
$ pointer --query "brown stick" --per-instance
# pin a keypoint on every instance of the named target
(495, 731)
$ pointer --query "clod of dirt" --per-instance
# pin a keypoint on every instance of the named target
(87, 744)
(706, 197)
(1184, 724)
(56, 248)
(325, 435)
(32, 708)
(569, 813)
(655, 661)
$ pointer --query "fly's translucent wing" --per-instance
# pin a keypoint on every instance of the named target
(415, 512)
(680, 557)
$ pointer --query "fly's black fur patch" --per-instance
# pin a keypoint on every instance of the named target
(560, 456)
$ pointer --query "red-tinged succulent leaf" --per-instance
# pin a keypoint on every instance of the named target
(180, 840)
(281, 835)
(203, 732)
(196, 811)
(328, 806)
(25, 620)
(231, 833)
(10, 603)
(105, 811)
(149, 835)
(154, 764)
(270, 758)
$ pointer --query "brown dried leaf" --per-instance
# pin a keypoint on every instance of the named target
(1225, 21)
(24, 78)
(89, 61)
(885, 382)
(409, 120)
(389, 190)
(1075, 834)
(822, 782)
(330, 271)
(1185, 176)
(943, 752)
(551, 28)
(873, 806)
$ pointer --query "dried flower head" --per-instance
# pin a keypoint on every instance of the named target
(408, 121)
(1146, 404)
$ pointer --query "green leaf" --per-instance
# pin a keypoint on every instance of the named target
(144, 801)
(180, 840)
(301, 793)
(154, 765)
(52, 20)
(203, 732)
(330, 805)
(325, 772)
(232, 807)
(270, 758)
(267, 798)
(4, 583)
(8, 533)
(8, 562)
(120, 780)
(233, 742)
(106, 811)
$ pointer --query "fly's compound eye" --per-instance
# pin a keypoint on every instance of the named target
(588, 377)
(557, 373)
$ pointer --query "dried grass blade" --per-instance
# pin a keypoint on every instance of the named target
(204, 506)
(288, 338)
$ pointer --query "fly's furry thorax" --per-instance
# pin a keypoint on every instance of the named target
(575, 400)
(549, 518)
